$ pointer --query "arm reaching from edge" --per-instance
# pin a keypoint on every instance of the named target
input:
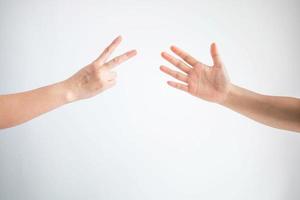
(88, 82)
(212, 83)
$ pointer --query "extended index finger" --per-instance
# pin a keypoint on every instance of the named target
(109, 50)
(120, 59)
(185, 56)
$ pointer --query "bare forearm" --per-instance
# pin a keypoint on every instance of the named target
(275, 111)
(21, 107)
(87, 82)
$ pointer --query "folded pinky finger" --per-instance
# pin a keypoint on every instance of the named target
(177, 85)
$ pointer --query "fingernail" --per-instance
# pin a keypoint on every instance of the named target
(134, 51)
(119, 37)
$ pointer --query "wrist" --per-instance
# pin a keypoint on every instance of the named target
(231, 93)
(66, 92)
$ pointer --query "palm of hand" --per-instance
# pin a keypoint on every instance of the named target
(210, 83)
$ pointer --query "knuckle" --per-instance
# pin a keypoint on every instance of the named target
(116, 60)
(181, 65)
(185, 57)
(111, 83)
(98, 77)
(106, 50)
(94, 66)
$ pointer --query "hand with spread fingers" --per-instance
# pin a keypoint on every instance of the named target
(210, 83)
(97, 76)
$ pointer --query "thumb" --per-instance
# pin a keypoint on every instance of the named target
(215, 55)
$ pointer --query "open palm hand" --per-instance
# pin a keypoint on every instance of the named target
(210, 83)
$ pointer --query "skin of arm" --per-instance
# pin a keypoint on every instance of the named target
(212, 83)
(88, 82)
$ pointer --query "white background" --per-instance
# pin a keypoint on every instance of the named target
(143, 139)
